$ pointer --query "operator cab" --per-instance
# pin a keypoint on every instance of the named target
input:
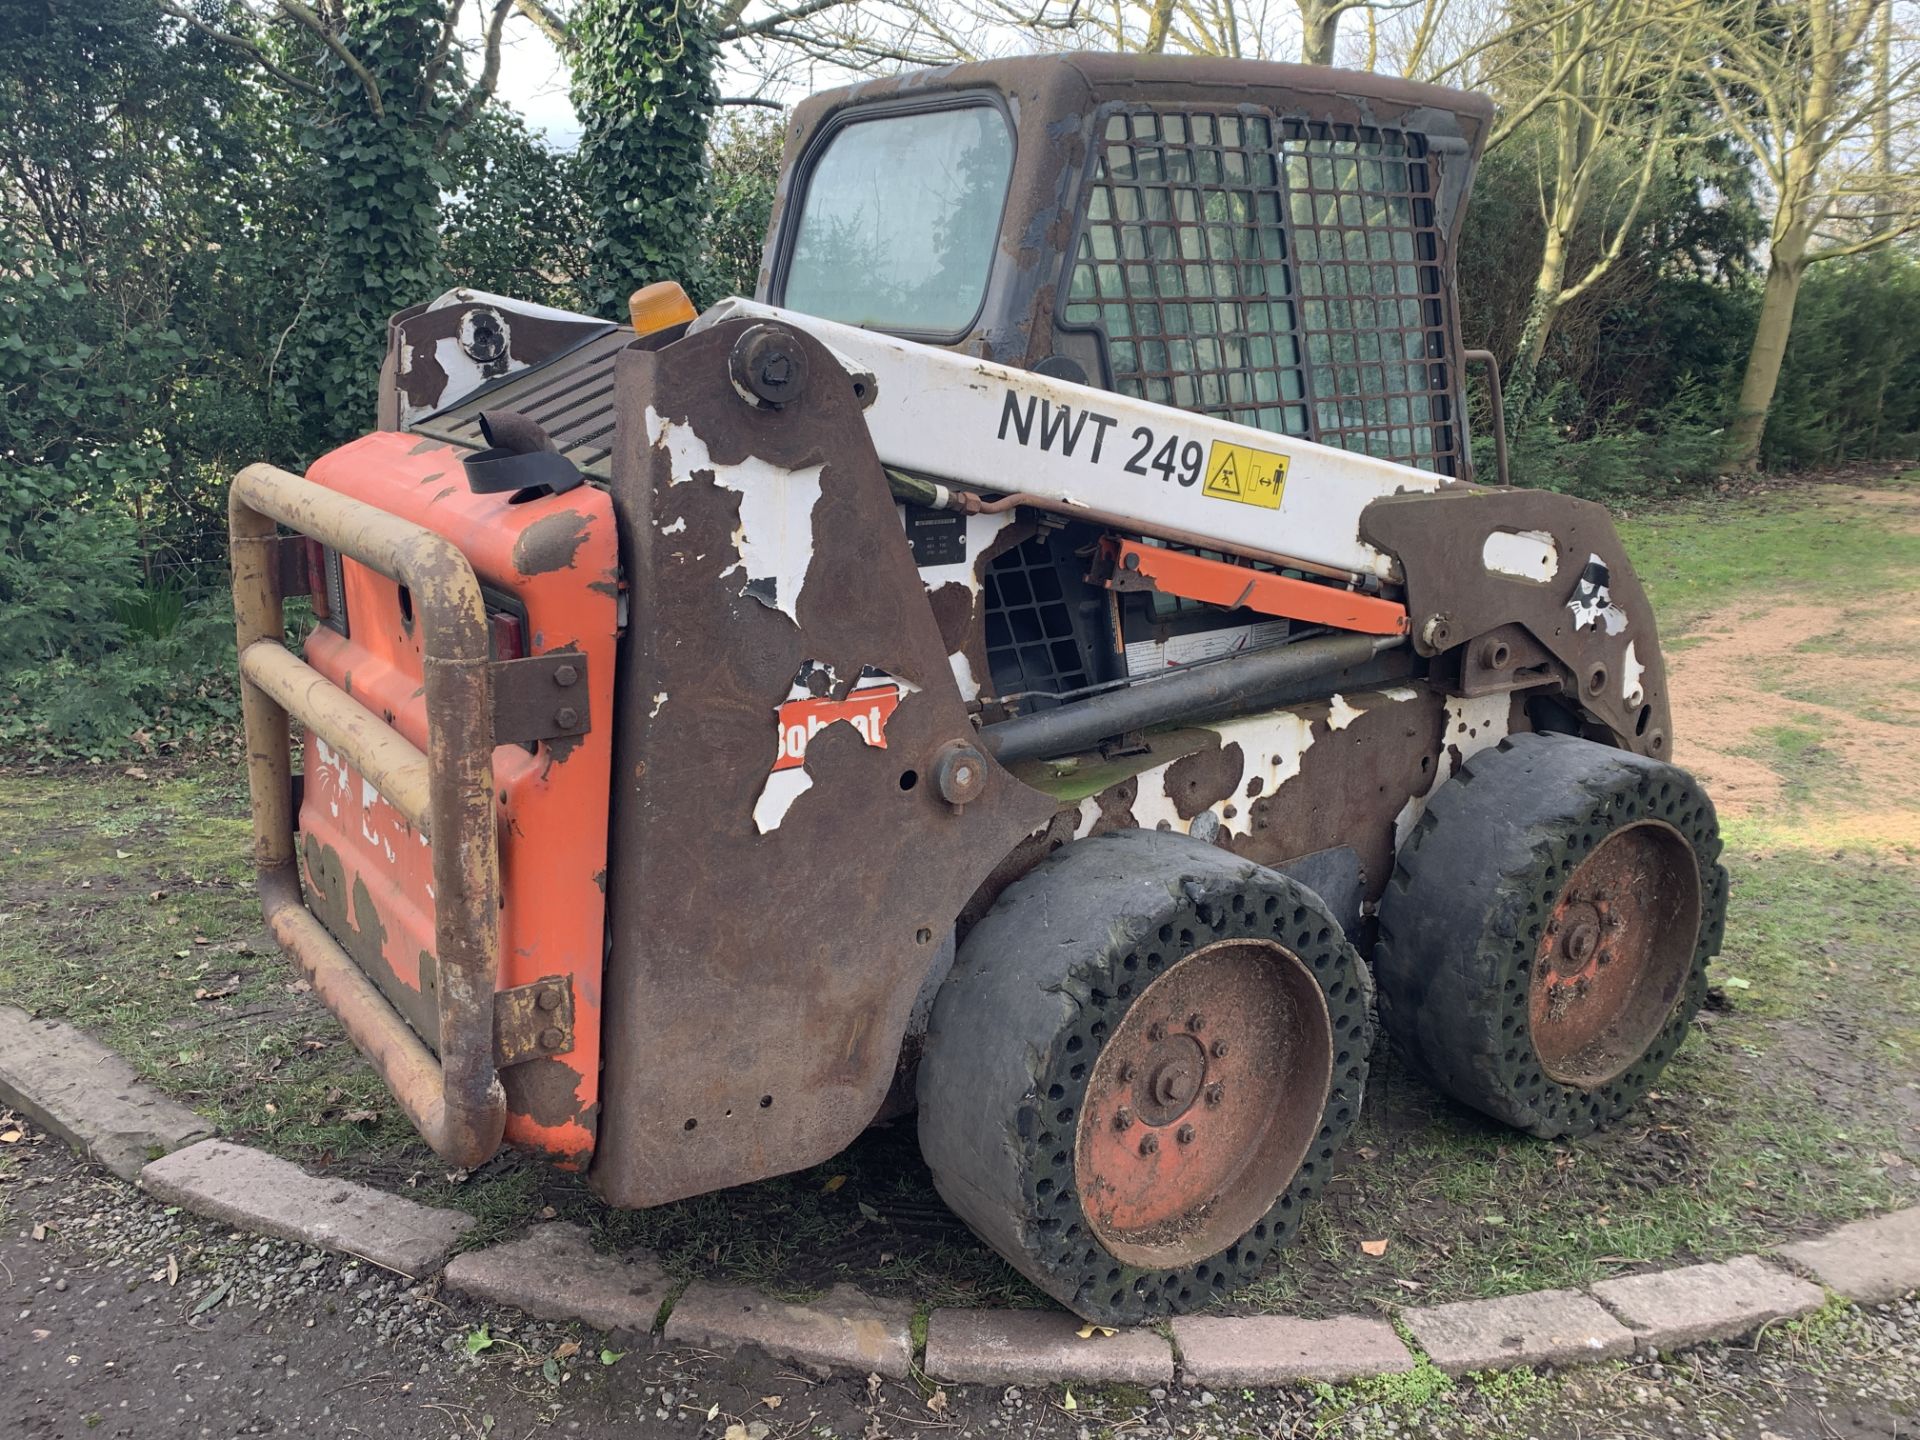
(1269, 244)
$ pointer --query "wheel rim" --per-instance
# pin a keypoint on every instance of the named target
(1614, 954)
(1203, 1103)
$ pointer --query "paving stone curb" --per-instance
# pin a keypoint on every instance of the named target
(1251, 1350)
(71, 1085)
(257, 1191)
(1869, 1261)
(1696, 1303)
(554, 1273)
(76, 1089)
(843, 1330)
(1545, 1327)
(1021, 1347)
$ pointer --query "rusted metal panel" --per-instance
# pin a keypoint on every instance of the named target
(541, 697)
(533, 1022)
(1587, 611)
(766, 955)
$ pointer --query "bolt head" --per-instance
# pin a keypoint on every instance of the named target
(1219, 1049)
(566, 675)
(1127, 1072)
(1122, 1118)
(1216, 1092)
(548, 1000)
(1156, 1032)
(1196, 1022)
(1184, 1135)
(1149, 1144)
(566, 717)
(552, 1038)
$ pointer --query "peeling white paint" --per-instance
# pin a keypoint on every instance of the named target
(1471, 726)
(963, 676)
(783, 787)
(675, 528)
(1631, 671)
(659, 699)
(1340, 714)
(1528, 554)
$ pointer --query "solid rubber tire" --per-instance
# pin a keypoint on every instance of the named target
(1462, 914)
(1035, 988)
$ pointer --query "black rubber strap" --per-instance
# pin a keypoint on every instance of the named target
(492, 471)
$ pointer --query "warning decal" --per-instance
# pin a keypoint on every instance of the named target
(1239, 472)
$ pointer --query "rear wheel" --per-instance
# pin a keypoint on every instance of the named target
(1140, 1069)
(1545, 937)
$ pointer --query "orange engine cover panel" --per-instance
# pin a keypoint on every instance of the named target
(368, 874)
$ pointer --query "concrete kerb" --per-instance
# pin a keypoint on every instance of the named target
(552, 1272)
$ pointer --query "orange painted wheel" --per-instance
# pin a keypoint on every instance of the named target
(1614, 954)
(1203, 1103)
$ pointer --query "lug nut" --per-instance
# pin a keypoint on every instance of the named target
(1219, 1049)
(548, 1000)
(566, 675)
(552, 1038)
(1216, 1092)
(1122, 1118)
(1196, 1022)
(1184, 1135)
(566, 717)
(1127, 1072)
(1156, 1032)
(1149, 1144)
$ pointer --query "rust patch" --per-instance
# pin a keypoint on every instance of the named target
(1203, 779)
(546, 1092)
(551, 542)
(953, 605)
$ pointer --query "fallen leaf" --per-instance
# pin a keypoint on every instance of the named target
(1071, 1403)
(10, 1137)
(868, 1211)
(1088, 1330)
(1734, 982)
(713, 1410)
(547, 1212)
(612, 1357)
(360, 1117)
(173, 1272)
(212, 1298)
(772, 1402)
(566, 1350)
(937, 1402)
(736, 1432)
(478, 1340)
(123, 854)
(39, 1232)
(1373, 1247)
(833, 1184)
(1409, 1284)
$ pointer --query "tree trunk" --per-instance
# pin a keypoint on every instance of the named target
(1542, 311)
(1157, 27)
(1742, 453)
(1319, 31)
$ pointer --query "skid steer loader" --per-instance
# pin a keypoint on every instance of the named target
(1046, 658)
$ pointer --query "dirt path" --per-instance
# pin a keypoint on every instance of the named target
(1771, 697)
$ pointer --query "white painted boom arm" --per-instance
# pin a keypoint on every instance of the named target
(993, 427)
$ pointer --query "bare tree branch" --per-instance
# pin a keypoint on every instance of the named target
(241, 43)
(317, 26)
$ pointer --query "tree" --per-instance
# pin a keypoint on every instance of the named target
(1616, 66)
(382, 97)
(1833, 132)
(644, 89)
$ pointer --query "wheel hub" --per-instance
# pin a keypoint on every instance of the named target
(1203, 1102)
(1614, 954)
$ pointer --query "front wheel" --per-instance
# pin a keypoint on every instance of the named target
(1545, 936)
(1139, 1071)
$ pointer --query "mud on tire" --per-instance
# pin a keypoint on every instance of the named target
(1487, 904)
(1046, 982)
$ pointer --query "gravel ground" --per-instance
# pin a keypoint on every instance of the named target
(126, 1318)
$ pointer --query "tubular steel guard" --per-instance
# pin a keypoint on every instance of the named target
(455, 1101)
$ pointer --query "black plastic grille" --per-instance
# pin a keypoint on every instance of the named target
(1277, 272)
(1032, 642)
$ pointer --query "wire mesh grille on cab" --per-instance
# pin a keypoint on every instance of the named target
(1280, 273)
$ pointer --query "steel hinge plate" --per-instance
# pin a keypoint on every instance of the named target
(532, 1022)
(541, 697)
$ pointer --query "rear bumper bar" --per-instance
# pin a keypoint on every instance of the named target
(455, 1100)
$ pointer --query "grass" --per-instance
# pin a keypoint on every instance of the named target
(1695, 557)
(126, 906)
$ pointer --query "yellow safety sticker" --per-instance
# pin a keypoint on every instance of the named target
(1239, 472)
